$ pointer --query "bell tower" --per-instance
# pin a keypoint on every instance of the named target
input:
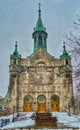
(65, 56)
(39, 34)
(14, 70)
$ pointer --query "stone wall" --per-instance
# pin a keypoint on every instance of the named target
(41, 74)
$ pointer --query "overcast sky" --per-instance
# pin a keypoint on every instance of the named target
(17, 21)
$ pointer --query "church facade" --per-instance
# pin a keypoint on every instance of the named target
(40, 82)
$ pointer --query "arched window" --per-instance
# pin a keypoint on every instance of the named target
(35, 39)
(40, 40)
(14, 62)
(45, 42)
(67, 62)
(55, 98)
(0, 107)
(41, 99)
(28, 99)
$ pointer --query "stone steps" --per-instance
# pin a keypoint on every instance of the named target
(45, 120)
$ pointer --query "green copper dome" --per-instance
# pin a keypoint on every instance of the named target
(65, 55)
(15, 53)
(39, 35)
(39, 25)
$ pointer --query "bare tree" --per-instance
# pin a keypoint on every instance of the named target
(74, 43)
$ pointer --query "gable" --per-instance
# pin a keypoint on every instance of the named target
(40, 57)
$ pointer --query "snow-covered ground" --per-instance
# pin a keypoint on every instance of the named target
(19, 124)
(24, 121)
(64, 120)
(8, 117)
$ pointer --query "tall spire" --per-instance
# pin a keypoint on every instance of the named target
(15, 53)
(65, 54)
(64, 47)
(16, 45)
(39, 34)
(39, 24)
(39, 11)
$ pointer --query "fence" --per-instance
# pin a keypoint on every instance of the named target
(4, 122)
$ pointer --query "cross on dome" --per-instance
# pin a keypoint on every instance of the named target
(39, 9)
(39, 5)
(16, 44)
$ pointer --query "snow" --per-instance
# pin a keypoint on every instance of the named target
(27, 114)
(19, 124)
(8, 117)
(24, 120)
(66, 120)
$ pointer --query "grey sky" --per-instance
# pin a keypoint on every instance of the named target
(17, 21)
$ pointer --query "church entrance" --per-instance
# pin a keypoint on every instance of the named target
(27, 104)
(55, 103)
(41, 103)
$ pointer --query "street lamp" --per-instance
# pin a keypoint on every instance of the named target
(13, 112)
(69, 107)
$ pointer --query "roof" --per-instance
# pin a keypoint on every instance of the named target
(39, 25)
(7, 95)
(15, 53)
(65, 55)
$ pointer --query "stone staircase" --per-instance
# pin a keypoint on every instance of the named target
(45, 120)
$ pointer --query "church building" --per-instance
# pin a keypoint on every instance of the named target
(40, 82)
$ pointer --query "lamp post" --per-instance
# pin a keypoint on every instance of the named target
(35, 113)
(69, 108)
(13, 112)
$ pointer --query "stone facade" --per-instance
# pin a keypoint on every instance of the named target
(3, 103)
(40, 82)
(40, 74)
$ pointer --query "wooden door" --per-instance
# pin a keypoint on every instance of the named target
(55, 103)
(27, 107)
(27, 104)
(41, 103)
(55, 107)
(41, 107)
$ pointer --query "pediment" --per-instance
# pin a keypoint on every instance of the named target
(41, 56)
